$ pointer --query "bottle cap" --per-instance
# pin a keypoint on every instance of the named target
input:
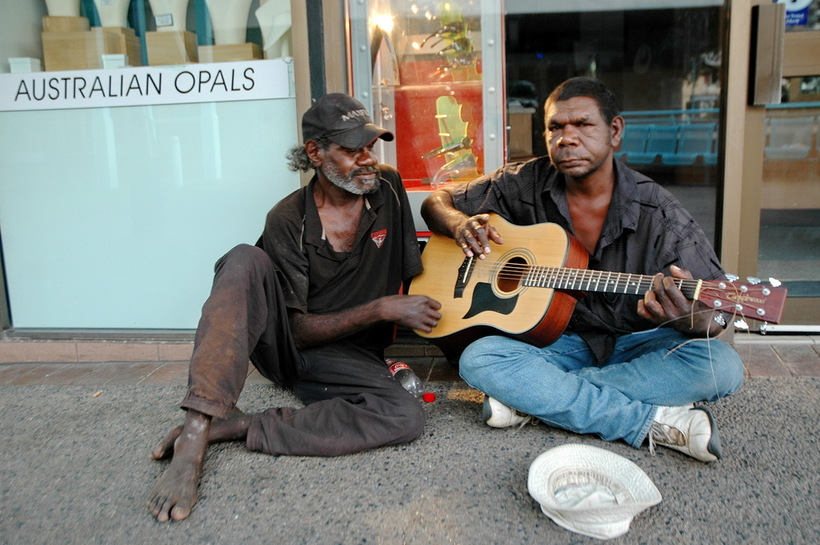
(429, 397)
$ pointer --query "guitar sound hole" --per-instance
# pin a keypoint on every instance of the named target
(509, 278)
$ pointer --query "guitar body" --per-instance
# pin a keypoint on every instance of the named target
(487, 296)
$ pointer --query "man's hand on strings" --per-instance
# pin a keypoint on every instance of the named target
(665, 304)
(474, 235)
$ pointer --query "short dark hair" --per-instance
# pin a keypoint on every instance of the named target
(588, 87)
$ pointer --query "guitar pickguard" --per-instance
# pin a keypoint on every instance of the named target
(485, 300)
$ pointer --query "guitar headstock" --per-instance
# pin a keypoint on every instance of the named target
(751, 299)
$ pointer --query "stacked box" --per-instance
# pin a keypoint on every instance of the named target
(127, 42)
(227, 53)
(69, 44)
(171, 47)
(77, 50)
(65, 24)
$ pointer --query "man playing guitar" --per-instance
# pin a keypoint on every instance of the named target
(624, 367)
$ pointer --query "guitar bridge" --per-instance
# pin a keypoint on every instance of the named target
(464, 273)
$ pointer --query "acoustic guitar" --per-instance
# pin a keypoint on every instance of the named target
(527, 288)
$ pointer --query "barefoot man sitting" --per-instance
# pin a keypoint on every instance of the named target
(313, 306)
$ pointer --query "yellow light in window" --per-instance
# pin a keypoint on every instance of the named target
(384, 21)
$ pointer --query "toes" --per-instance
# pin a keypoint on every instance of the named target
(180, 512)
(157, 506)
(166, 447)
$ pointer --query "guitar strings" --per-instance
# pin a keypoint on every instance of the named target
(522, 271)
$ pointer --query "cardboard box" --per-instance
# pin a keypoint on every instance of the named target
(65, 24)
(76, 50)
(171, 47)
(127, 42)
(227, 53)
(84, 50)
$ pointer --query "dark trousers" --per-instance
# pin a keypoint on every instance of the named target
(351, 401)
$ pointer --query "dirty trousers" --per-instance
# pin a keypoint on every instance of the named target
(351, 401)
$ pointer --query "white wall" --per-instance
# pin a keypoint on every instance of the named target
(20, 28)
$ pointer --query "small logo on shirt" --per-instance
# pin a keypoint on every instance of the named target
(378, 237)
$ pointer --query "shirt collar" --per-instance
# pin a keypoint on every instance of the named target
(624, 210)
(314, 231)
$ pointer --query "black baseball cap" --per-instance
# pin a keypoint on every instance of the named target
(341, 119)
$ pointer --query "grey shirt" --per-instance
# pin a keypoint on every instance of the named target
(645, 232)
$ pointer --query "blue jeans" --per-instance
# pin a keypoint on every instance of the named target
(563, 386)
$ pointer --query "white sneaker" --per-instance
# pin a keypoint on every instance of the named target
(498, 415)
(687, 429)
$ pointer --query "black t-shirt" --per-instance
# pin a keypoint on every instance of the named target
(318, 280)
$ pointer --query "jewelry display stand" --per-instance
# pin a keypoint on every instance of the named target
(230, 22)
(69, 43)
(64, 16)
(275, 22)
(63, 8)
(170, 43)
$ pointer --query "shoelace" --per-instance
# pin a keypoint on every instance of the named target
(528, 419)
(665, 435)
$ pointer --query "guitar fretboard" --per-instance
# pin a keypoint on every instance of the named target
(597, 281)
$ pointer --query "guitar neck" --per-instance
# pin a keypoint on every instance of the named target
(600, 281)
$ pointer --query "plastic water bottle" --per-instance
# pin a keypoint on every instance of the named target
(402, 372)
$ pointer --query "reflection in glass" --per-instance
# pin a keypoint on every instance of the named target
(664, 65)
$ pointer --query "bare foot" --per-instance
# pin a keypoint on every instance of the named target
(233, 428)
(165, 448)
(175, 493)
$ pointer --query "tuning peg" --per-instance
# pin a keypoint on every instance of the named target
(732, 277)
(775, 283)
(753, 280)
(741, 324)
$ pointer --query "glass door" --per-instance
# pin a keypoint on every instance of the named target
(462, 83)
(663, 59)
(789, 244)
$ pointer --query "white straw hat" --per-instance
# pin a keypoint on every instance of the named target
(590, 490)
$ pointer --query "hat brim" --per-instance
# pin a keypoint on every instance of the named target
(559, 472)
(362, 136)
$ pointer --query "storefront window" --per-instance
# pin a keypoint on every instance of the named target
(121, 185)
(433, 77)
(789, 244)
(91, 34)
(427, 78)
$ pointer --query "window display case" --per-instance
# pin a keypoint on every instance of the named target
(431, 72)
(95, 34)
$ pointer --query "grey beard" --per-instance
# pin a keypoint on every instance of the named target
(348, 184)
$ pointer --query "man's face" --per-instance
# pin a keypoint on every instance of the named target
(579, 141)
(354, 170)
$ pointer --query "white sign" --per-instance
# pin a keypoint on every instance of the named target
(140, 86)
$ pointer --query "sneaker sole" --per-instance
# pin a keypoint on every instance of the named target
(486, 412)
(713, 447)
